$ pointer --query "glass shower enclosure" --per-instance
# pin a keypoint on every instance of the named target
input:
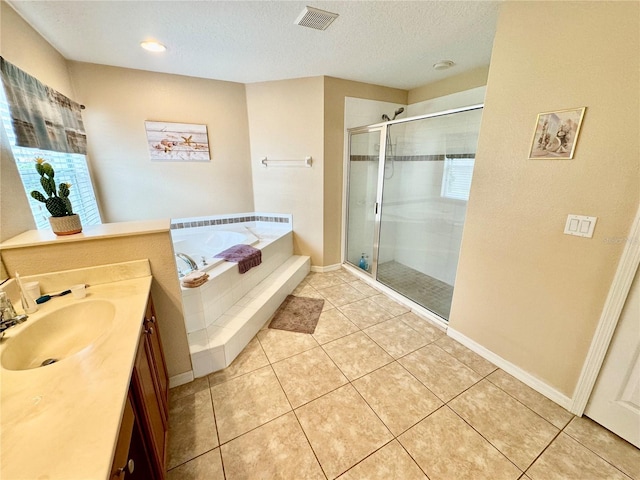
(407, 192)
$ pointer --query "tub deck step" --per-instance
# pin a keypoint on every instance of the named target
(216, 346)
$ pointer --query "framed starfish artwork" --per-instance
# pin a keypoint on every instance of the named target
(177, 142)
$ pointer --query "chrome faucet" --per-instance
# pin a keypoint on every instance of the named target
(190, 261)
(8, 316)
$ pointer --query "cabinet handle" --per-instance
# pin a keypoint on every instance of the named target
(129, 467)
(149, 331)
(152, 319)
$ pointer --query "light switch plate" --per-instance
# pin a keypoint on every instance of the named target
(580, 225)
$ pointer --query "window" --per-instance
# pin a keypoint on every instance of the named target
(456, 179)
(71, 168)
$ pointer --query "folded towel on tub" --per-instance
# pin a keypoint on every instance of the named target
(195, 279)
(246, 256)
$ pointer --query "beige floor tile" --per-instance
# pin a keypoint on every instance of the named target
(188, 389)
(471, 359)
(207, 466)
(280, 344)
(365, 313)
(310, 292)
(192, 428)
(566, 459)
(550, 411)
(344, 275)
(446, 448)
(301, 285)
(520, 434)
(333, 324)
(250, 359)
(276, 450)
(364, 288)
(308, 375)
(391, 462)
(391, 306)
(396, 337)
(324, 280)
(615, 450)
(341, 294)
(397, 397)
(356, 355)
(440, 372)
(422, 326)
(342, 429)
(248, 401)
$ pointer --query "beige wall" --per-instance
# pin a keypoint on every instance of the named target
(335, 91)
(286, 122)
(165, 289)
(26, 49)
(119, 101)
(15, 216)
(293, 119)
(524, 290)
(458, 83)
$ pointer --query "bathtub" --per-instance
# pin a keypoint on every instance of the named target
(202, 244)
(222, 315)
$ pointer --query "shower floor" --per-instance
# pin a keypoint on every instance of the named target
(427, 291)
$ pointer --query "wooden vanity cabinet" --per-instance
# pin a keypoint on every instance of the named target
(148, 396)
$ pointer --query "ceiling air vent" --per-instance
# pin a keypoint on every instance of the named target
(315, 18)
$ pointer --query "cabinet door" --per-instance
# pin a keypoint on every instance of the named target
(157, 354)
(121, 456)
(132, 459)
(149, 407)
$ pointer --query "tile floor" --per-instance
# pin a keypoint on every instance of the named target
(377, 393)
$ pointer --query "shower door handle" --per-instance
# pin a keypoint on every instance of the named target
(376, 208)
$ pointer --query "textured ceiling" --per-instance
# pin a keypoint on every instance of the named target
(386, 43)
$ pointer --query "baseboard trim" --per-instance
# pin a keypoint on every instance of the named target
(181, 379)
(328, 268)
(513, 370)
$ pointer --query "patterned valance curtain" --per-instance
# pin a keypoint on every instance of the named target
(42, 117)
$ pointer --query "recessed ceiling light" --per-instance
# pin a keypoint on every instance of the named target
(153, 46)
(443, 65)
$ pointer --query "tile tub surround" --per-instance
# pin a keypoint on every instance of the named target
(250, 219)
(310, 409)
(225, 313)
(252, 225)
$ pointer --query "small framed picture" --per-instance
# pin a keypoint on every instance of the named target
(177, 142)
(556, 134)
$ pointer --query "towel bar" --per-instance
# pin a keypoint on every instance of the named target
(307, 162)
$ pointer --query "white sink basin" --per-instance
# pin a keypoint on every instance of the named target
(57, 335)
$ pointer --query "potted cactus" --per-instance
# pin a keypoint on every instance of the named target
(63, 221)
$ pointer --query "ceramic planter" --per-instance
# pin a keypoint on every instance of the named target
(66, 225)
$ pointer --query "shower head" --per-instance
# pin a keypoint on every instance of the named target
(398, 112)
(385, 118)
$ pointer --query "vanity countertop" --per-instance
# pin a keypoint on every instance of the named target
(62, 421)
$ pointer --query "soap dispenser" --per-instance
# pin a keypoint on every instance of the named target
(363, 263)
